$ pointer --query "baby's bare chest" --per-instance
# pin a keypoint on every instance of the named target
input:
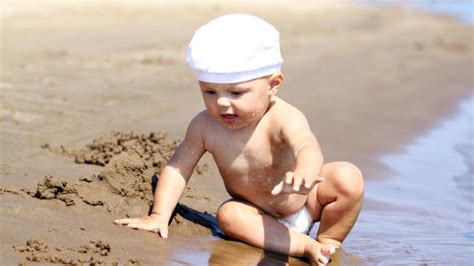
(259, 159)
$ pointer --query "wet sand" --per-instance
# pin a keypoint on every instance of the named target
(369, 80)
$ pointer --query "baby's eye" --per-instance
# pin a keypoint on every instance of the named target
(236, 93)
(209, 92)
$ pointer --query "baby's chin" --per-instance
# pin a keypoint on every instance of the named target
(234, 123)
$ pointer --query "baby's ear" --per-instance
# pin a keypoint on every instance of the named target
(275, 81)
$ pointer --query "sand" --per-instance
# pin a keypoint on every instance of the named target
(95, 96)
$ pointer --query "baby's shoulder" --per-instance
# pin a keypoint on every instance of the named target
(202, 124)
(283, 112)
(201, 117)
(200, 120)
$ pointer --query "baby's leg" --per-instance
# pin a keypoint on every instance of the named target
(336, 202)
(247, 223)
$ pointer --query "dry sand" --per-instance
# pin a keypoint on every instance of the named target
(73, 72)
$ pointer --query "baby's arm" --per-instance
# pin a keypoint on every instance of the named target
(172, 182)
(296, 132)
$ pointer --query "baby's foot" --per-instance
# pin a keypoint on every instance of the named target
(319, 254)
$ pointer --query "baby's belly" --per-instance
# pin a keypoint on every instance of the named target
(253, 181)
(276, 206)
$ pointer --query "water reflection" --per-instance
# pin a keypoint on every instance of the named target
(237, 253)
(214, 251)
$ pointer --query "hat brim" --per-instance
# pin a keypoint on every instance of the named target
(237, 77)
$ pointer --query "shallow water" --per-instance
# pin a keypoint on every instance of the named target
(460, 9)
(424, 214)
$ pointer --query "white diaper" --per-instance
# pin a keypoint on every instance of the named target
(301, 221)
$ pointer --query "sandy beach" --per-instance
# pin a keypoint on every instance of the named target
(83, 81)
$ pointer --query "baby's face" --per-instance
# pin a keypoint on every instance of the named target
(237, 105)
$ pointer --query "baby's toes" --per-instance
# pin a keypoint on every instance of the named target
(323, 260)
(328, 250)
(319, 254)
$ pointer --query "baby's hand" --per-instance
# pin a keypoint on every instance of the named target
(296, 183)
(153, 223)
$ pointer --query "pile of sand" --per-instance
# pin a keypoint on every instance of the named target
(126, 184)
(124, 188)
(55, 188)
(155, 148)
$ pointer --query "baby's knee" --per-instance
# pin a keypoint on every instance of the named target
(227, 215)
(348, 180)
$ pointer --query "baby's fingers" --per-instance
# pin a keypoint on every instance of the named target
(311, 182)
(136, 225)
(278, 188)
(163, 232)
(161, 229)
(125, 221)
(144, 226)
(297, 182)
(289, 177)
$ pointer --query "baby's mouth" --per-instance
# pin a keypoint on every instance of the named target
(229, 118)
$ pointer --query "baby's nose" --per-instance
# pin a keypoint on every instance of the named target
(223, 101)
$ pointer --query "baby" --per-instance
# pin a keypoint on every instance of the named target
(269, 159)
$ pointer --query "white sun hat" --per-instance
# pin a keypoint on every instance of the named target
(234, 48)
